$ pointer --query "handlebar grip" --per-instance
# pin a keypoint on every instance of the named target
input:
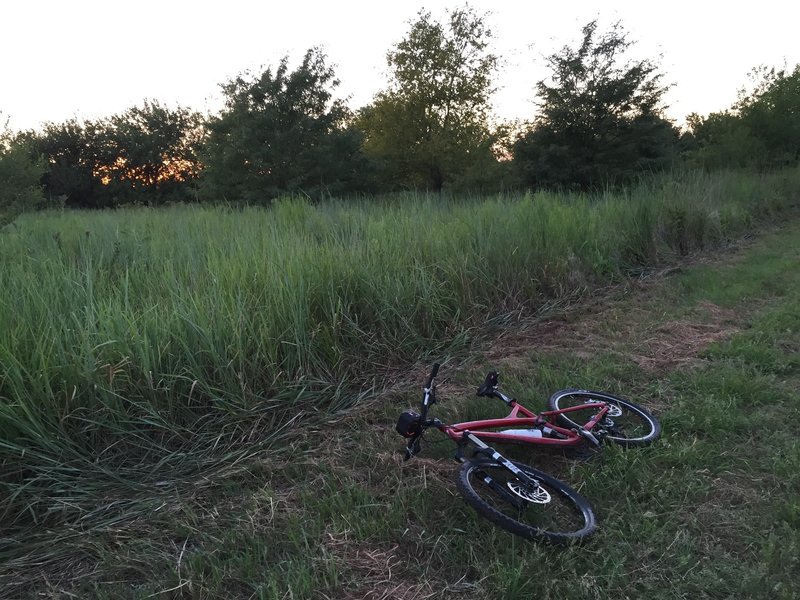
(434, 372)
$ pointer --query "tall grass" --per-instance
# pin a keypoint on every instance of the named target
(140, 343)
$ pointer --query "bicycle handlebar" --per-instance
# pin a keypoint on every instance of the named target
(429, 398)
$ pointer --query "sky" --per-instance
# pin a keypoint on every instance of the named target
(90, 59)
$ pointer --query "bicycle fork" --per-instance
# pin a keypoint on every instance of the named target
(514, 496)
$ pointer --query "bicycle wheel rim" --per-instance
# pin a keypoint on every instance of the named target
(626, 423)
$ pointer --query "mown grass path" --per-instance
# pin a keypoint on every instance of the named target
(712, 510)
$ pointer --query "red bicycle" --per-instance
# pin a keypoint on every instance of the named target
(517, 497)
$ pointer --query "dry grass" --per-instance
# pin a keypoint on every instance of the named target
(380, 572)
(626, 329)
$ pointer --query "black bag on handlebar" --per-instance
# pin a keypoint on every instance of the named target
(408, 425)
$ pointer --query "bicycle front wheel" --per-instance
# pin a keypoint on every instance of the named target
(548, 511)
(625, 423)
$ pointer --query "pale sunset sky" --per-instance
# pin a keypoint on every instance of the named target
(90, 59)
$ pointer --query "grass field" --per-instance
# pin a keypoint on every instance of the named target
(142, 371)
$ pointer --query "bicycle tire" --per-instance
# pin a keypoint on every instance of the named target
(565, 503)
(629, 424)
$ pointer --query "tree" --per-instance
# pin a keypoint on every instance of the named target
(721, 140)
(70, 152)
(601, 116)
(761, 130)
(281, 132)
(771, 113)
(149, 153)
(431, 125)
(20, 176)
(145, 154)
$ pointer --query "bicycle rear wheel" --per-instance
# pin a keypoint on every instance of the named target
(550, 511)
(626, 423)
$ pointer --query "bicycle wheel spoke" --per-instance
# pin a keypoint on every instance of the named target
(627, 425)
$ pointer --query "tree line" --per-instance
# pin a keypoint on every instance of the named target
(600, 122)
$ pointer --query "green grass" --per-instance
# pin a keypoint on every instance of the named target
(151, 370)
(709, 511)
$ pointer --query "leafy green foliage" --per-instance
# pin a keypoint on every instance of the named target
(720, 141)
(144, 155)
(772, 113)
(601, 117)
(19, 177)
(282, 132)
(150, 153)
(761, 130)
(72, 152)
(431, 126)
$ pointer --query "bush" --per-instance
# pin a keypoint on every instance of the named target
(19, 178)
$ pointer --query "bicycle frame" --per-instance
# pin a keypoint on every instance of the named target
(461, 439)
(480, 432)
(523, 417)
